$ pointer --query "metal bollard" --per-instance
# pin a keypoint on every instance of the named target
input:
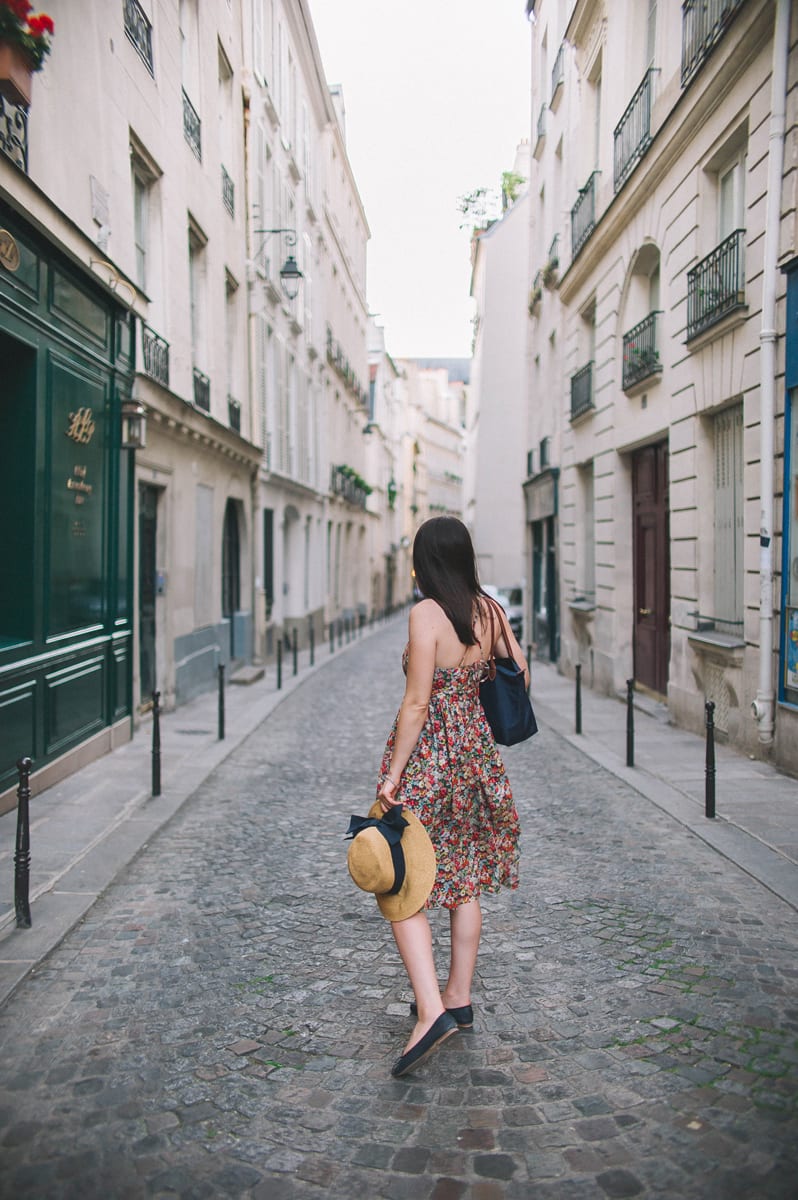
(294, 649)
(312, 640)
(156, 743)
(332, 637)
(529, 665)
(340, 633)
(22, 852)
(279, 662)
(630, 722)
(578, 697)
(709, 789)
(220, 670)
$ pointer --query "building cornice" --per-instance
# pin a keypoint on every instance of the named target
(175, 418)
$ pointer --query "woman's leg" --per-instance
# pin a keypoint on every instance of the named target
(414, 940)
(466, 928)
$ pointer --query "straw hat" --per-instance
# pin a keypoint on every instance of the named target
(384, 846)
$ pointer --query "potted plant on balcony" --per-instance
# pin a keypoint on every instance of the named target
(550, 272)
(24, 45)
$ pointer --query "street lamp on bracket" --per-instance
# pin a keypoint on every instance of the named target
(290, 273)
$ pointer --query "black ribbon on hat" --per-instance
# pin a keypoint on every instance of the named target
(391, 826)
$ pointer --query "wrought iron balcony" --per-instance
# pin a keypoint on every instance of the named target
(716, 286)
(583, 215)
(346, 482)
(139, 32)
(228, 193)
(582, 391)
(633, 132)
(542, 122)
(202, 391)
(704, 23)
(14, 133)
(234, 414)
(558, 71)
(192, 126)
(640, 352)
(155, 356)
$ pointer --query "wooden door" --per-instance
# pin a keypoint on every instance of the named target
(651, 567)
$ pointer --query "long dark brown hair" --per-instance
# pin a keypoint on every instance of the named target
(446, 571)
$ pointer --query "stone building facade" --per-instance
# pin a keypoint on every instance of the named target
(662, 211)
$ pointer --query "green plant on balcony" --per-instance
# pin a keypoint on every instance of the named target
(30, 32)
(550, 273)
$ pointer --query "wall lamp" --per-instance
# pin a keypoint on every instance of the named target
(134, 425)
(290, 273)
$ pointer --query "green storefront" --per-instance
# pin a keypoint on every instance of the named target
(66, 505)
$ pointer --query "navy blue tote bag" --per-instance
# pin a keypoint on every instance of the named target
(504, 699)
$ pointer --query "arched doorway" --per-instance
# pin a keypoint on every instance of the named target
(231, 571)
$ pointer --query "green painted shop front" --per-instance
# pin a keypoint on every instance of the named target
(66, 503)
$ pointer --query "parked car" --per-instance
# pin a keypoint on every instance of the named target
(512, 601)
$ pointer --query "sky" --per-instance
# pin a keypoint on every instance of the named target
(437, 99)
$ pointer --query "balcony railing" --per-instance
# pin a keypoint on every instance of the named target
(228, 193)
(202, 391)
(14, 133)
(582, 391)
(640, 352)
(704, 23)
(139, 32)
(234, 414)
(155, 356)
(192, 127)
(583, 215)
(346, 482)
(633, 132)
(716, 286)
(558, 71)
(542, 122)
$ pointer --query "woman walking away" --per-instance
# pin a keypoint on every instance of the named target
(442, 763)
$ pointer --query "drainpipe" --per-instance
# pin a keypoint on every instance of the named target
(764, 705)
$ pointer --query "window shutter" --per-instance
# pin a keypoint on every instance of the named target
(729, 533)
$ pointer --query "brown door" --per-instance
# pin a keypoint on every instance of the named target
(651, 567)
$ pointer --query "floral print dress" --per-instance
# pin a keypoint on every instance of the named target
(456, 785)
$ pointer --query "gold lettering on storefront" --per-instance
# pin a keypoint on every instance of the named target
(81, 426)
(77, 483)
(9, 251)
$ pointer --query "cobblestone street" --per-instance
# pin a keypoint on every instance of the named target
(224, 1021)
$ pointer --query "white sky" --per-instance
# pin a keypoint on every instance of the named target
(437, 99)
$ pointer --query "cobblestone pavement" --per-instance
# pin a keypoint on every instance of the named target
(224, 1021)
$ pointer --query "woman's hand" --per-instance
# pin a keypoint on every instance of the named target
(387, 795)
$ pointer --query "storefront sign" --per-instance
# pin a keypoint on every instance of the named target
(9, 251)
(81, 426)
(541, 497)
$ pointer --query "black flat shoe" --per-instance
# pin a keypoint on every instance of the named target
(463, 1016)
(442, 1029)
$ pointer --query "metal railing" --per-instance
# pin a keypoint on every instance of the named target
(14, 133)
(228, 193)
(633, 132)
(583, 215)
(558, 70)
(192, 126)
(139, 32)
(155, 356)
(234, 413)
(704, 23)
(542, 122)
(343, 484)
(640, 353)
(582, 391)
(202, 391)
(716, 286)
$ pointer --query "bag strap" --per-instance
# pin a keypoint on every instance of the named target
(499, 614)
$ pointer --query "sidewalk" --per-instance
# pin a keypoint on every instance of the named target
(87, 828)
(756, 822)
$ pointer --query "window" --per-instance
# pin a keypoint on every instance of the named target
(140, 227)
(196, 287)
(587, 566)
(731, 198)
(729, 530)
